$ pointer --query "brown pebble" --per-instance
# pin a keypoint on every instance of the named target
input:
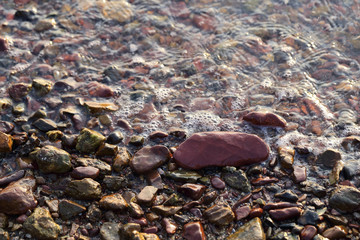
(285, 213)
(265, 119)
(335, 232)
(3, 45)
(308, 232)
(158, 135)
(299, 174)
(217, 183)
(263, 181)
(279, 205)
(194, 231)
(152, 229)
(256, 212)
(192, 190)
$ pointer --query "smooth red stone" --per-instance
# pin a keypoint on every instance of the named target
(242, 212)
(279, 205)
(152, 229)
(285, 213)
(97, 89)
(3, 45)
(19, 90)
(149, 158)
(265, 119)
(85, 172)
(192, 190)
(308, 232)
(221, 149)
(194, 231)
(256, 212)
(335, 232)
(263, 181)
(217, 183)
(17, 197)
(158, 134)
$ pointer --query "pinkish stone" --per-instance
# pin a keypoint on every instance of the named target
(242, 212)
(85, 172)
(192, 190)
(308, 232)
(221, 149)
(149, 158)
(265, 119)
(17, 197)
(217, 183)
(194, 231)
(299, 174)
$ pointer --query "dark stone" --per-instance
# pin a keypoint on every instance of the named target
(221, 149)
(308, 217)
(6, 127)
(192, 190)
(12, 177)
(236, 179)
(287, 195)
(24, 15)
(115, 137)
(69, 209)
(4, 46)
(265, 119)
(308, 232)
(115, 183)
(110, 231)
(346, 199)
(329, 158)
(84, 189)
(219, 214)
(19, 90)
(285, 213)
(85, 172)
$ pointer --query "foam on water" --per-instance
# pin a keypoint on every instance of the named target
(200, 121)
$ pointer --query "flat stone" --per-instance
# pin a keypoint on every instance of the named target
(336, 232)
(97, 108)
(194, 231)
(242, 212)
(41, 225)
(44, 25)
(115, 183)
(89, 141)
(345, 199)
(183, 175)
(104, 168)
(166, 211)
(170, 225)
(17, 197)
(192, 190)
(6, 126)
(285, 213)
(329, 158)
(251, 230)
(287, 195)
(113, 202)
(45, 125)
(69, 209)
(6, 143)
(149, 158)
(308, 217)
(12, 177)
(84, 189)
(236, 179)
(299, 174)
(265, 119)
(147, 195)
(217, 183)
(221, 149)
(19, 90)
(51, 159)
(97, 89)
(85, 172)
(110, 231)
(121, 160)
(308, 232)
(219, 214)
(42, 86)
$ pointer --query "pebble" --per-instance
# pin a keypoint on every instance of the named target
(256, 212)
(221, 149)
(336, 232)
(149, 158)
(104, 168)
(84, 189)
(308, 217)
(44, 25)
(11, 177)
(194, 231)
(299, 174)
(115, 137)
(217, 183)
(236, 179)
(89, 141)
(329, 158)
(265, 119)
(51, 159)
(17, 197)
(286, 156)
(114, 202)
(6, 143)
(285, 213)
(308, 232)
(147, 195)
(251, 230)
(110, 231)
(242, 212)
(287, 195)
(4, 46)
(85, 172)
(183, 175)
(69, 209)
(42, 86)
(19, 90)
(192, 190)
(346, 199)
(158, 135)
(41, 225)
(166, 211)
(6, 127)
(97, 89)
(219, 214)
(170, 226)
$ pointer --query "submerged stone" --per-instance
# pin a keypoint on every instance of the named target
(265, 119)
(221, 149)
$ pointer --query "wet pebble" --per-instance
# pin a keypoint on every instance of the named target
(308, 232)
(345, 199)
(114, 202)
(299, 174)
(84, 189)
(149, 158)
(51, 159)
(236, 179)
(89, 140)
(251, 230)
(69, 209)
(147, 195)
(170, 226)
(328, 158)
(85, 172)
(194, 231)
(219, 214)
(192, 190)
(336, 232)
(265, 119)
(6, 142)
(285, 213)
(215, 147)
(19, 90)
(115, 137)
(217, 183)
(110, 231)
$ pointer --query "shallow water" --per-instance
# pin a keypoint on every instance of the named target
(196, 65)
